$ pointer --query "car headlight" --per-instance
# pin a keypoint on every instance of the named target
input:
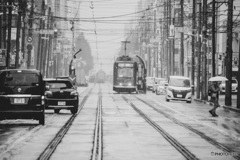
(189, 90)
(48, 93)
(74, 93)
(129, 84)
(170, 89)
(120, 84)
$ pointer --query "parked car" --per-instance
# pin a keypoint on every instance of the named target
(61, 94)
(156, 83)
(22, 95)
(161, 88)
(149, 83)
(179, 88)
(222, 86)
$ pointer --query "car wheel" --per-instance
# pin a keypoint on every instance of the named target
(167, 100)
(74, 110)
(56, 111)
(42, 119)
(189, 101)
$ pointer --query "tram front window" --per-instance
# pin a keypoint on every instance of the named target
(125, 72)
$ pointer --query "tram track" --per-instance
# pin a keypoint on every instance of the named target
(49, 150)
(201, 134)
(183, 150)
(98, 144)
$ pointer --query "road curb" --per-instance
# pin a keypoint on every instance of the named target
(225, 107)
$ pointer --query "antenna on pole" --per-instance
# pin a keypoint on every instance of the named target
(125, 48)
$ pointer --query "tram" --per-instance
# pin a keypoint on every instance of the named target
(100, 76)
(125, 75)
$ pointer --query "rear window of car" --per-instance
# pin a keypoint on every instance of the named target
(59, 85)
(18, 79)
(179, 82)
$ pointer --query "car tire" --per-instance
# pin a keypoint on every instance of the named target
(74, 110)
(42, 119)
(189, 101)
(56, 111)
(167, 100)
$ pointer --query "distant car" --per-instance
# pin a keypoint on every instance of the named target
(161, 88)
(179, 88)
(222, 86)
(156, 83)
(61, 94)
(149, 83)
(83, 84)
(22, 95)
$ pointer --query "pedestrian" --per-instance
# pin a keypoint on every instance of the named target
(214, 88)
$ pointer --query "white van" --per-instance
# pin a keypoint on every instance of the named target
(179, 88)
(149, 83)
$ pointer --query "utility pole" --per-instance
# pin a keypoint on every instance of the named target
(1, 26)
(204, 55)
(228, 93)
(193, 44)
(182, 41)
(30, 34)
(213, 38)
(18, 34)
(9, 33)
(125, 46)
(199, 50)
(238, 74)
(170, 69)
(40, 41)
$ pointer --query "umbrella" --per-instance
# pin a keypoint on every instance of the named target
(218, 78)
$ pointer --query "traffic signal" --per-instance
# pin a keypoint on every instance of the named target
(55, 34)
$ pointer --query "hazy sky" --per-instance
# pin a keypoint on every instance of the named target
(107, 31)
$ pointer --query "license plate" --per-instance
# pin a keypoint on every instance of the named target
(179, 95)
(62, 103)
(19, 100)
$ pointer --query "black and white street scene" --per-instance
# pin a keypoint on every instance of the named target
(119, 80)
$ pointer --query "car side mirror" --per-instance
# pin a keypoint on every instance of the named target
(47, 87)
(35, 84)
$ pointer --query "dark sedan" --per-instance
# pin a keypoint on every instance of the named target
(61, 94)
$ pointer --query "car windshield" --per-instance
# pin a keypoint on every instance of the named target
(125, 72)
(162, 83)
(179, 82)
(150, 80)
(59, 85)
(234, 81)
(18, 79)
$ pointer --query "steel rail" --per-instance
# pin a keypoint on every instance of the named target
(201, 134)
(49, 150)
(97, 145)
(183, 150)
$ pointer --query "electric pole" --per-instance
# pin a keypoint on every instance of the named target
(199, 50)
(9, 33)
(18, 33)
(182, 39)
(204, 55)
(228, 93)
(213, 38)
(193, 44)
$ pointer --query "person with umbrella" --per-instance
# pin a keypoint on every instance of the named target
(214, 89)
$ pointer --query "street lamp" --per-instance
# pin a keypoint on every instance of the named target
(71, 67)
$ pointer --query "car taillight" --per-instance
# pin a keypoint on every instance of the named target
(74, 93)
(42, 100)
(48, 94)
